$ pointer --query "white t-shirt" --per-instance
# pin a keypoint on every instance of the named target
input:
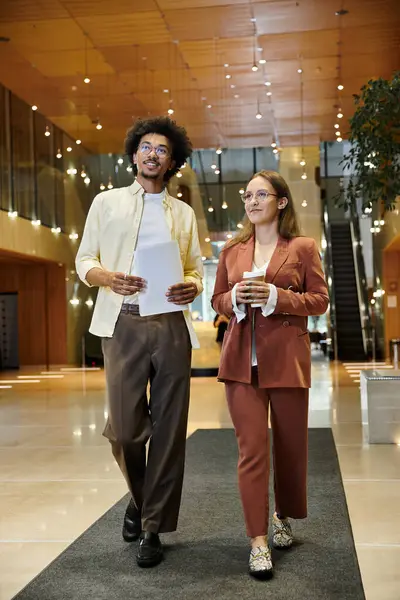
(153, 229)
(266, 310)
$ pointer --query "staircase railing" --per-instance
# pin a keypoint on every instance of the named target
(328, 264)
(362, 287)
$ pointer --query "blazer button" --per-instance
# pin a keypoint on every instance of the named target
(285, 324)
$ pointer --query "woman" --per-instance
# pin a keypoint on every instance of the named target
(266, 358)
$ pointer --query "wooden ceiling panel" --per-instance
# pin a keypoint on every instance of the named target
(125, 29)
(212, 53)
(138, 48)
(87, 8)
(44, 36)
(205, 23)
(306, 44)
(31, 10)
(70, 63)
(150, 57)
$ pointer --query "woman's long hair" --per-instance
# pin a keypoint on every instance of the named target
(288, 226)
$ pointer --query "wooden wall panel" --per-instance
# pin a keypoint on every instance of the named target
(391, 285)
(42, 310)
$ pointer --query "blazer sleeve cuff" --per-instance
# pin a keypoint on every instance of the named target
(239, 310)
(270, 305)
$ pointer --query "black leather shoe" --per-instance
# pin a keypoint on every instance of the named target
(132, 523)
(150, 551)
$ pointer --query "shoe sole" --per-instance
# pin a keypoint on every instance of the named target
(261, 575)
(131, 538)
(147, 564)
(277, 547)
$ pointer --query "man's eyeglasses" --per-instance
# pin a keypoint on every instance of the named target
(161, 151)
(261, 196)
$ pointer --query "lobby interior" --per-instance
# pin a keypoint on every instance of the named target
(258, 85)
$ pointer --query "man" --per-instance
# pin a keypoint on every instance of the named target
(141, 350)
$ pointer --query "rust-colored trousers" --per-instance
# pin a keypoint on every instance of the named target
(249, 407)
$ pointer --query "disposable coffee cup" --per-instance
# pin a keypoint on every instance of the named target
(254, 276)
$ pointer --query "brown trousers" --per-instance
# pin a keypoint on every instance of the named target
(249, 407)
(153, 350)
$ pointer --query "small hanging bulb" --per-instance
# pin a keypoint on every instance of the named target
(213, 166)
(79, 142)
(171, 111)
(210, 209)
(83, 173)
(299, 71)
(269, 94)
(262, 61)
(86, 80)
(340, 87)
(120, 161)
(217, 171)
(179, 194)
(47, 132)
(219, 150)
(275, 150)
(99, 126)
(239, 225)
(227, 76)
(304, 203)
(267, 83)
(336, 126)
(339, 139)
(224, 205)
(302, 162)
(254, 68)
(340, 114)
(207, 240)
(179, 175)
(304, 176)
(34, 107)
(87, 180)
(69, 149)
(337, 133)
(110, 185)
(102, 186)
(59, 155)
(258, 115)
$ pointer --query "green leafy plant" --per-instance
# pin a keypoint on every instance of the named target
(374, 158)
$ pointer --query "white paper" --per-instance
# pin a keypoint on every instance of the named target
(160, 265)
(392, 301)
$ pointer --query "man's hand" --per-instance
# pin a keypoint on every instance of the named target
(126, 285)
(252, 292)
(182, 293)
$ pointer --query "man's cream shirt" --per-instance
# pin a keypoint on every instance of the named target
(109, 240)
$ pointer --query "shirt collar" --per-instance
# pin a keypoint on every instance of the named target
(136, 188)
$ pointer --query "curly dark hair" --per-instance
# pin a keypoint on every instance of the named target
(181, 145)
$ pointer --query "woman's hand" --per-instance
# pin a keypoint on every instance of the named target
(252, 292)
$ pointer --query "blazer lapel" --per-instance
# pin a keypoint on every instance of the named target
(279, 257)
(246, 257)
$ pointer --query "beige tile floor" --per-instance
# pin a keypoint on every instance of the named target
(57, 475)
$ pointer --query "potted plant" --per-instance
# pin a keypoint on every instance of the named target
(374, 158)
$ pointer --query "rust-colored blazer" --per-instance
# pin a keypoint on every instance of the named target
(282, 340)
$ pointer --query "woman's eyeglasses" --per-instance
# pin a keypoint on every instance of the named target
(261, 196)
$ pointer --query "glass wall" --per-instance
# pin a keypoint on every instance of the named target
(221, 178)
(45, 175)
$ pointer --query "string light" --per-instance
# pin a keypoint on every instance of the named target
(340, 87)
(179, 175)
(99, 126)
(258, 115)
(224, 205)
(210, 209)
(217, 171)
(219, 150)
(304, 203)
(239, 225)
(304, 176)
(47, 132)
(120, 161)
(339, 139)
(227, 76)
(337, 133)
(13, 214)
(254, 68)
(69, 149)
(273, 145)
(102, 186)
(213, 166)
(179, 194)
(336, 126)
(56, 230)
(86, 80)
(171, 111)
(110, 185)
(34, 107)
(267, 83)
(87, 180)
(79, 142)
(302, 162)
(36, 222)
(59, 155)
(241, 191)
(207, 240)
(83, 174)
(340, 114)
(299, 71)
(73, 236)
(262, 61)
